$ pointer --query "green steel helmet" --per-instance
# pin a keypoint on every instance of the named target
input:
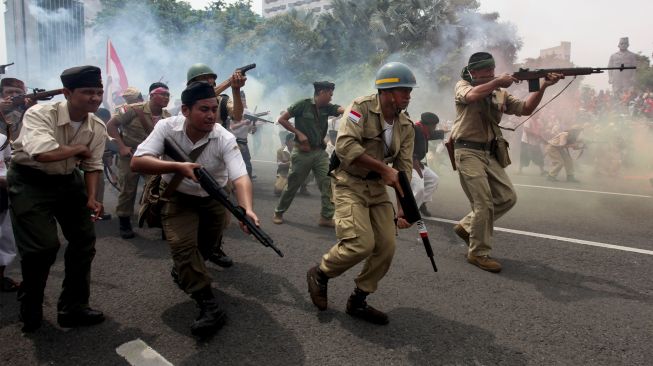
(394, 75)
(199, 70)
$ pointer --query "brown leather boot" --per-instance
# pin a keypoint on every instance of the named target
(277, 218)
(317, 287)
(462, 233)
(485, 262)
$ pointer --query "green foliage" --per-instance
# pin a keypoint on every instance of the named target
(644, 74)
(354, 37)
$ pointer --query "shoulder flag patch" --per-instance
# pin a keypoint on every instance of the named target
(354, 116)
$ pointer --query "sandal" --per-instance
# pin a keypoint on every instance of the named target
(8, 285)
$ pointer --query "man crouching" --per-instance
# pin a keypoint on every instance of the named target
(193, 221)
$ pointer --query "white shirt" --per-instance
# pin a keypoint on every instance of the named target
(242, 131)
(221, 157)
(387, 136)
(5, 155)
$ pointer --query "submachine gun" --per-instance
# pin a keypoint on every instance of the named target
(533, 76)
(216, 192)
(412, 215)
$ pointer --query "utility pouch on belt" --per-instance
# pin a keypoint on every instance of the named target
(500, 149)
(334, 162)
(450, 150)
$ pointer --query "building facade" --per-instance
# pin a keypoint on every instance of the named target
(562, 52)
(276, 7)
(43, 38)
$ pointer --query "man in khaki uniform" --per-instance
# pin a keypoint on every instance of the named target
(46, 187)
(481, 101)
(129, 128)
(10, 112)
(373, 132)
(557, 150)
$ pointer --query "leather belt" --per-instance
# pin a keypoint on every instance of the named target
(463, 144)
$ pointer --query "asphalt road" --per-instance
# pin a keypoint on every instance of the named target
(557, 301)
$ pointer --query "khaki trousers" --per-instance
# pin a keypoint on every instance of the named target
(559, 158)
(490, 194)
(193, 226)
(365, 229)
(128, 183)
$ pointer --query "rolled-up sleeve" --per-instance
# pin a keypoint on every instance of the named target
(233, 159)
(97, 149)
(462, 88)
(39, 133)
(349, 144)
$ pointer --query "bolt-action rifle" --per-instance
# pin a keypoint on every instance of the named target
(214, 190)
(37, 94)
(533, 76)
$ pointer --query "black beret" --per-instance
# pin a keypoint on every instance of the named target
(82, 77)
(158, 84)
(429, 118)
(197, 90)
(323, 85)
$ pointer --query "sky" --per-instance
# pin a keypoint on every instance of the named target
(592, 27)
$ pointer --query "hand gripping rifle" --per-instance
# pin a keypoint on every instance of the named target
(211, 187)
(412, 215)
(227, 83)
(38, 94)
(533, 76)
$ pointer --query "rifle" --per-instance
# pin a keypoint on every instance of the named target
(227, 83)
(211, 187)
(412, 215)
(533, 76)
(38, 94)
(256, 118)
(3, 68)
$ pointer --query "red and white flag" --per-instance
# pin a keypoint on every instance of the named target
(116, 77)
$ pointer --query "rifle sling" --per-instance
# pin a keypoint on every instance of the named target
(177, 178)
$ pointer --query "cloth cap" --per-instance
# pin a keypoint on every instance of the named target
(12, 82)
(323, 85)
(130, 92)
(429, 118)
(82, 77)
(197, 90)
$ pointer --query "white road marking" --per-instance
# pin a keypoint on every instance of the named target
(138, 353)
(584, 190)
(555, 237)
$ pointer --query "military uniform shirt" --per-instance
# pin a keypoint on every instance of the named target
(365, 135)
(304, 114)
(470, 123)
(222, 157)
(48, 126)
(133, 132)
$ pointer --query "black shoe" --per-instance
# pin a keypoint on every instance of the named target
(79, 318)
(175, 277)
(365, 312)
(220, 258)
(211, 318)
(126, 230)
(424, 210)
(31, 316)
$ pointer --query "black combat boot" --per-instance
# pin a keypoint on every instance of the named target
(220, 258)
(126, 230)
(357, 307)
(82, 317)
(211, 318)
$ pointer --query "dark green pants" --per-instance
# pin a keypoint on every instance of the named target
(193, 226)
(38, 202)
